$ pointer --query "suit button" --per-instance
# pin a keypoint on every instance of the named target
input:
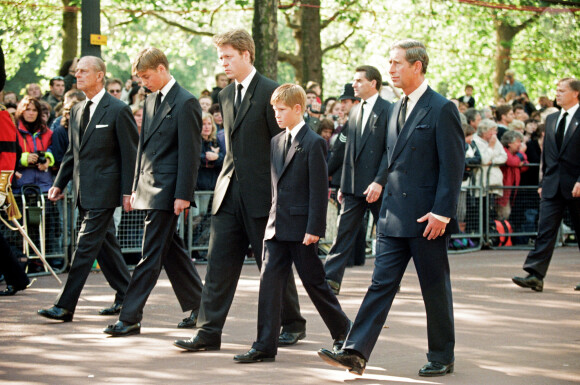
(404, 195)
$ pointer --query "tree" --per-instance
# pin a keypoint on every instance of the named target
(265, 34)
(70, 30)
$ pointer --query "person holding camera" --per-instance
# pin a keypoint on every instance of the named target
(313, 113)
(510, 84)
(34, 139)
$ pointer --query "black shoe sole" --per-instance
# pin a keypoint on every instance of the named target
(331, 361)
(181, 325)
(66, 319)
(117, 334)
(190, 349)
(526, 286)
(265, 359)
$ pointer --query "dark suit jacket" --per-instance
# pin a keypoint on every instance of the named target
(561, 169)
(169, 147)
(102, 165)
(248, 145)
(365, 162)
(336, 158)
(299, 187)
(425, 167)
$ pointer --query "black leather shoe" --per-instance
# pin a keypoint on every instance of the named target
(10, 290)
(123, 329)
(334, 286)
(531, 281)
(113, 310)
(344, 359)
(188, 322)
(577, 287)
(287, 338)
(195, 344)
(339, 341)
(57, 313)
(254, 355)
(434, 369)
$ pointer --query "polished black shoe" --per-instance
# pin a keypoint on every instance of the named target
(434, 369)
(254, 355)
(195, 344)
(577, 287)
(188, 322)
(57, 313)
(10, 290)
(123, 329)
(339, 341)
(346, 359)
(113, 310)
(287, 338)
(531, 282)
(334, 286)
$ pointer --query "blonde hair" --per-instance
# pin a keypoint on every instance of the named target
(289, 94)
(239, 39)
(213, 135)
(149, 59)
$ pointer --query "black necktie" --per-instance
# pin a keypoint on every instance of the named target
(560, 131)
(287, 144)
(157, 102)
(85, 119)
(402, 115)
(238, 101)
(359, 121)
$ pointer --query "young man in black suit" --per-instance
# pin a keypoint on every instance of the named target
(100, 160)
(425, 149)
(297, 221)
(168, 158)
(560, 185)
(242, 196)
(364, 171)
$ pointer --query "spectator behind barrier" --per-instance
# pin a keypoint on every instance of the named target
(512, 142)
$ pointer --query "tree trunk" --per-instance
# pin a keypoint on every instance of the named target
(311, 51)
(70, 31)
(265, 34)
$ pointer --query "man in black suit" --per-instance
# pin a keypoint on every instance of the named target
(297, 221)
(560, 186)
(168, 158)
(425, 167)
(364, 171)
(100, 160)
(242, 195)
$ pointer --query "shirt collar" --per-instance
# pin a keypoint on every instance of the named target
(371, 102)
(97, 98)
(419, 91)
(165, 90)
(296, 129)
(571, 111)
(246, 82)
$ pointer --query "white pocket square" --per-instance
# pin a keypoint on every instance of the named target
(102, 125)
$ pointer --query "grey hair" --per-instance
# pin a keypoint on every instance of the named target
(485, 125)
(414, 51)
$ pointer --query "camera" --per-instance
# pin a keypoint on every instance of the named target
(309, 107)
(41, 157)
(335, 117)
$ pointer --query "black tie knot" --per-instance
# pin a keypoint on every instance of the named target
(86, 117)
(157, 102)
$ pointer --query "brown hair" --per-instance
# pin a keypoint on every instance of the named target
(149, 59)
(35, 126)
(239, 39)
(289, 94)
(573, 83)
(372, 73)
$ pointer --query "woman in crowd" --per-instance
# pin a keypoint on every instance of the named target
(512, 169)
(138, 115)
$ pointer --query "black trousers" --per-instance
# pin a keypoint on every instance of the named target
(96, 240)
(162, 247)
(551, 214)
(10, 267)
(277, 265)
(233, 228)
(432, 265)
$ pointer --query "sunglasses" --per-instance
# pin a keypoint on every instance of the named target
(114, 91)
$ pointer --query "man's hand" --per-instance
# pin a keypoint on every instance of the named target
(42, 166)
(315, 106)
(492, 140)
(576, 190)
(32, 158)
(180, 205)
(54, 194)
(339, 196)
(310, 239)
(211, 156)
(373, 192)
(435, 228)
(127, 203)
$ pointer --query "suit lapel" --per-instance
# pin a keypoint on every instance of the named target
(164, 109)
(100, 111)
(571, 130)
(295, 144)
(419, 111)
(370, 126)
(246, 102)
(392, 129)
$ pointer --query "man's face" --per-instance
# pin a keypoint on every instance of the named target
(10, 98)
(363, 88)
(475, 123)
(402, 72)
(236, 65)
(346, 105)
(310, 99)
(566, 96)
(222, 81)
(115, 90)
(153, 79)
(87, 75)
(469, 91)
(509, 117)
(57, 88)
(520, 114)
(286, 116)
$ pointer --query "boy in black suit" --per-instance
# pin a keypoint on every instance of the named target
(297, 221)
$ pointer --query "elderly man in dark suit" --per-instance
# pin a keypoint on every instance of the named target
(242, 194)
(560, 186)
(100, 160)
(165, 174)
(297, 221)
(364, 171)
(425, 167)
